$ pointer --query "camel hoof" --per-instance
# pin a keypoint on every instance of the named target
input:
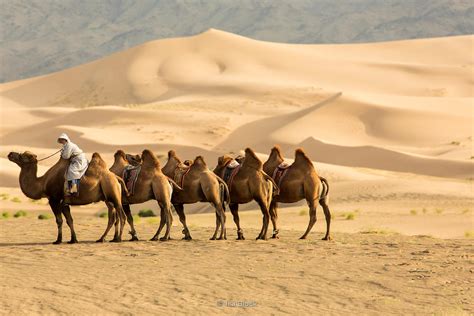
(57, 242)
(164, 239)
(326, 238)
(275, 237)
(154, 239)
(72, 241)
(212, 238)
(221, 238)
(100, 240)
(116, 240)
(134, 238)
(187, 238)
(303, 237)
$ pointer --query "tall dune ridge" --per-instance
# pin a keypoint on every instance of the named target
(389, 124)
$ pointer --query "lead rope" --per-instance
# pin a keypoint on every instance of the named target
(49, 156)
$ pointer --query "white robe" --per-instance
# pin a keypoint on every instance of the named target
(78, 162)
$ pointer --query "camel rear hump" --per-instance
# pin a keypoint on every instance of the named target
(302, 158)
(251, 160)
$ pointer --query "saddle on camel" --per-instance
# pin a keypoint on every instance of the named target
(144, 178)
(199, 185)
(97, 184)
(247, 182)
(298, 181)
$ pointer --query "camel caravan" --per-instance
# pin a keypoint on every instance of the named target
(134, 179)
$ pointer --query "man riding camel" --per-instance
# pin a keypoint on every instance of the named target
(77, 165)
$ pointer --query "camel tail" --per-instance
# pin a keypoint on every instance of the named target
(275, 188)
(223, 191)
(123, 185)
(324, 196)
(174, 184)
(270, 192)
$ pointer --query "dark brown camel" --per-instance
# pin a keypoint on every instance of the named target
(199, 185)
(301, 181)
(98, 184)
(151, 184)
(249, 183)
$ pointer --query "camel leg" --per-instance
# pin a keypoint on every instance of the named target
(218, 224)
(182, 218)
(128, 213)
(312, 218)
(119, 222)
(327, 215)
(234, 209)
(116, 227)
(55, 206)
(265, 220)
(165, 210)
(221, 213)
(67, 214)
(111, 214)
(162, 224)
(274, 218)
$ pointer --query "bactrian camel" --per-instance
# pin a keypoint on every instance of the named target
(249, 183)
(151, 184)
(199, 185)
(300, 181)
(97, 184)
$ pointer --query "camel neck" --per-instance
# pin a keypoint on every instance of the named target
(30, 184)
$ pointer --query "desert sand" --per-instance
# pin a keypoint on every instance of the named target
(389, 125)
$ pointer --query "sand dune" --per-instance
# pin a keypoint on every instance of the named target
(389, 125)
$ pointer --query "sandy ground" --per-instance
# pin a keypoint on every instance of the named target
(390, 125)
(375, 272)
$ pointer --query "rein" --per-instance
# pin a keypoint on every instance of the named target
(48, 156)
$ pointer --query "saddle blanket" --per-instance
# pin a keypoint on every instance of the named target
(130, 176)
(280, 172)
(179, 173)
(229, 174)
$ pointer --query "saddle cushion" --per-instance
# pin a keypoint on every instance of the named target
(280, 172)
(179, 173)
(229, 174)
(130, 176)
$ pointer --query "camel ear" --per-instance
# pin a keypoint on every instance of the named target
(171, 153)
(220, 160)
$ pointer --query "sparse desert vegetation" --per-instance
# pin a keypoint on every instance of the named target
(44, 216)
(146, 213)
(20, 213)
(15, 199)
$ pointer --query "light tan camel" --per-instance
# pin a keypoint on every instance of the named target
(151, 184)
(98, 184)
(199, 185)
(299, 182)
(249, 183)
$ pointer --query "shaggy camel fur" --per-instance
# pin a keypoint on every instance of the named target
(151, 184)
(250, 183)
(300, 181)
(199, 185)
(98, 184)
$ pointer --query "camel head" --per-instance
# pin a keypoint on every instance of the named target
(134, 160)
(188, 162)
(148, 159)
(23, 159)
(223, 160)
